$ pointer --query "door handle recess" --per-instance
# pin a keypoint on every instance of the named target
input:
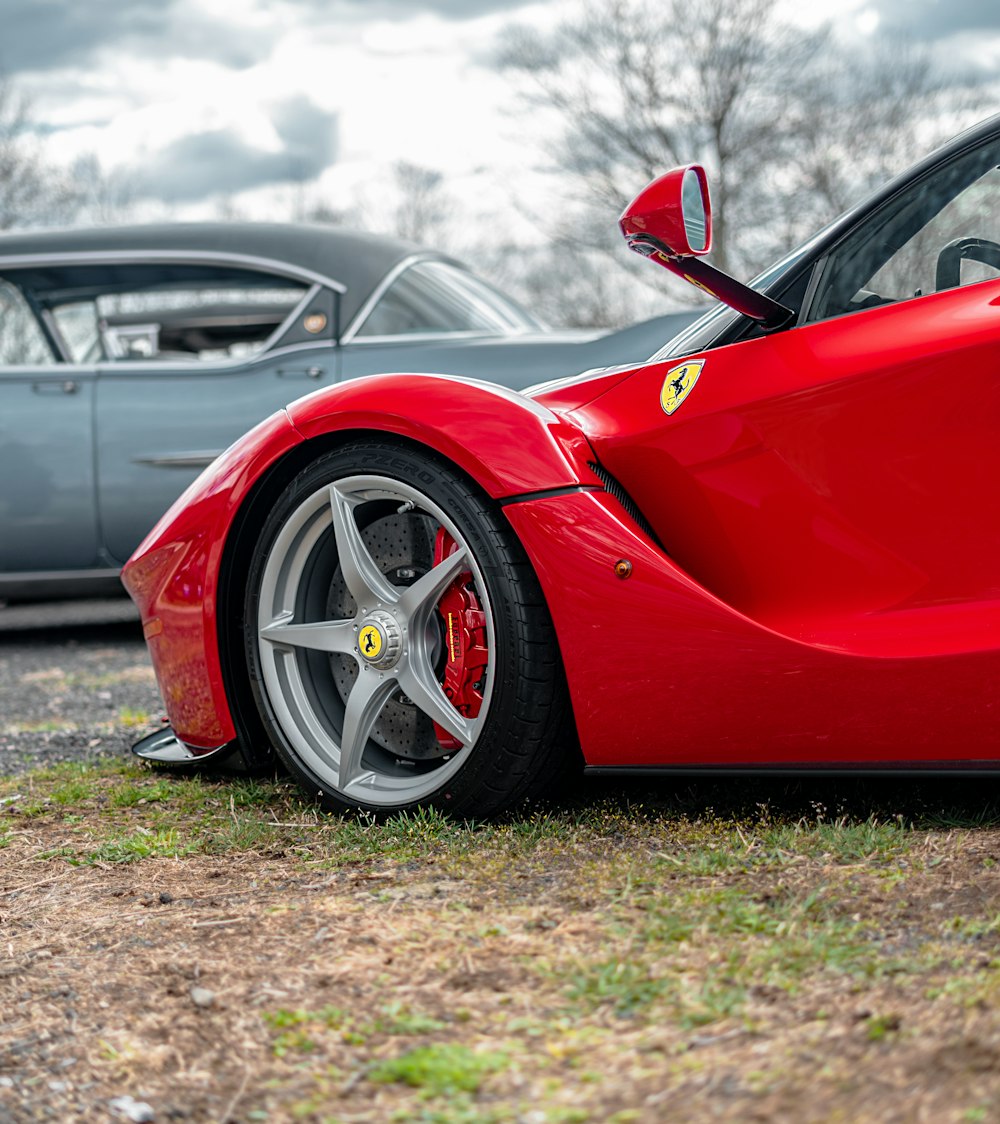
(300, 372)
(56, 386)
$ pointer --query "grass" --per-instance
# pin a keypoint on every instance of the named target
(575, 963)
(440, 1069)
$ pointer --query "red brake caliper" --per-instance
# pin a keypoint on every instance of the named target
(465, 640)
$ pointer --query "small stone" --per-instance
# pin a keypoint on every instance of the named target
(165, 898)
(137, 1111)
(202, 997)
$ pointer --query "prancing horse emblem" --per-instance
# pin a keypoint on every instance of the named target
(370, 641)
(679, 383)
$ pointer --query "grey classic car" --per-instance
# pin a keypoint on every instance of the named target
(130, 358)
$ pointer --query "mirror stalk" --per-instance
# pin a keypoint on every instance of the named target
(767, 312)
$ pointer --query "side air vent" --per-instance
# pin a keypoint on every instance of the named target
(612, 486)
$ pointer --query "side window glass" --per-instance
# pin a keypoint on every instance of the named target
(168, 311)
(21, 339)
(78, 326)
(211, 322)
(942, 233)
(435, 297)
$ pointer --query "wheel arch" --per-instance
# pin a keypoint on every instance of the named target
(241, 538)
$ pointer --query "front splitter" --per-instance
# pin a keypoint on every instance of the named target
(164, 748)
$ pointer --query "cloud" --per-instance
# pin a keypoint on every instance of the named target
(405, 9)
(220, 161)
(41, 35)
(55, 34)
(936, 19)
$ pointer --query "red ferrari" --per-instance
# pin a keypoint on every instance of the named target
(773, 546)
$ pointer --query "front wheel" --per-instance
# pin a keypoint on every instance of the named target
(399, 649)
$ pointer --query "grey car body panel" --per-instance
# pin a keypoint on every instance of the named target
(47, 486)
(159, 425)
(92, 455)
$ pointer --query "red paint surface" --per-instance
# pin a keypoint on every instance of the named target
(508, 443)
(662, 673)
(827, 497)
(838, 481)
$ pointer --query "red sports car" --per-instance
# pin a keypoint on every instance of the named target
(773, 546)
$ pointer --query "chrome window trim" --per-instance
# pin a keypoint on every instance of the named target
(375, 296)
(176, 257)
(109, 367)
(423, 337)
(290, 319)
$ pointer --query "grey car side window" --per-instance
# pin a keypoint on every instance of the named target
(177, 312)
(22, 342)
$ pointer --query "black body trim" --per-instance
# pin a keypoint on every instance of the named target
(856, 769)
(550, 493)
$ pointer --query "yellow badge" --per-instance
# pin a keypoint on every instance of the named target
(679, 383)
(370, 642)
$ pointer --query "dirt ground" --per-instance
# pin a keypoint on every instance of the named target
(588, 976)
(75, 683)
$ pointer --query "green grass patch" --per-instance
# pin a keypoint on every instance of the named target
(440, 1069)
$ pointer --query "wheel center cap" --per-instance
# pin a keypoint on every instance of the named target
(380, 640)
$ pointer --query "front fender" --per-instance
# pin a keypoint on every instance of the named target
(507, 443)
(510, 445)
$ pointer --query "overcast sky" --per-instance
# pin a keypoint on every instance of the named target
(193, 101)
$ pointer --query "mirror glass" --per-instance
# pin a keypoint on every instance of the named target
(693, 210)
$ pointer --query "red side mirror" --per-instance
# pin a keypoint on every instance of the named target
(674, 210)
(670, 222)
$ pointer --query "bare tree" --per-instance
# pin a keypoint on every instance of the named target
(424, 205)
(32, 191)
(99, 199)
(791, 127)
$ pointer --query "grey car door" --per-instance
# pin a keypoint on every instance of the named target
(160, 424)
(47, 495)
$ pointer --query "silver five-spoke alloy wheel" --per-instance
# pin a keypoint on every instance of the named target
(352, 643)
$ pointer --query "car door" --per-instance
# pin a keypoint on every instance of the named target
(161, 416)
(47, 489)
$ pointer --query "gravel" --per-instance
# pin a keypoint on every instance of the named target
(75, 683)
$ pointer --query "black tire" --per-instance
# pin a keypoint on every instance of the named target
(316, 693)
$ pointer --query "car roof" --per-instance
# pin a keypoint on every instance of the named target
(353, 261)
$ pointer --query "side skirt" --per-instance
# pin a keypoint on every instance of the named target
(923, 769)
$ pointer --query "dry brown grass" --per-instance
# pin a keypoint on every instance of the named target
(603, 964)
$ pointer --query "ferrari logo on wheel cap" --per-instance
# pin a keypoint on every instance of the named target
(371, 641)
(380, 640)
(679, 383)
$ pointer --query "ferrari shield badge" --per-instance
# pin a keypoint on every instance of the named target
(679, 383)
